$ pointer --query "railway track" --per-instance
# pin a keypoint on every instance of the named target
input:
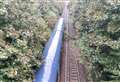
(71, 70)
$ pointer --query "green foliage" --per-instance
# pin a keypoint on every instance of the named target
(24, 32)
(98, 26)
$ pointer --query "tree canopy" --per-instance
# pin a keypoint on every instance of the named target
(24, 30)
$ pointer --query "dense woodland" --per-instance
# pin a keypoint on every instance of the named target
(97, 23)
(24, 29)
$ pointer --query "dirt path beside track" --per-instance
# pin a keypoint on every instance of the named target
(71, 69)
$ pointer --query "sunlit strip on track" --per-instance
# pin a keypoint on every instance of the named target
(47, 69)
(50, 58)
